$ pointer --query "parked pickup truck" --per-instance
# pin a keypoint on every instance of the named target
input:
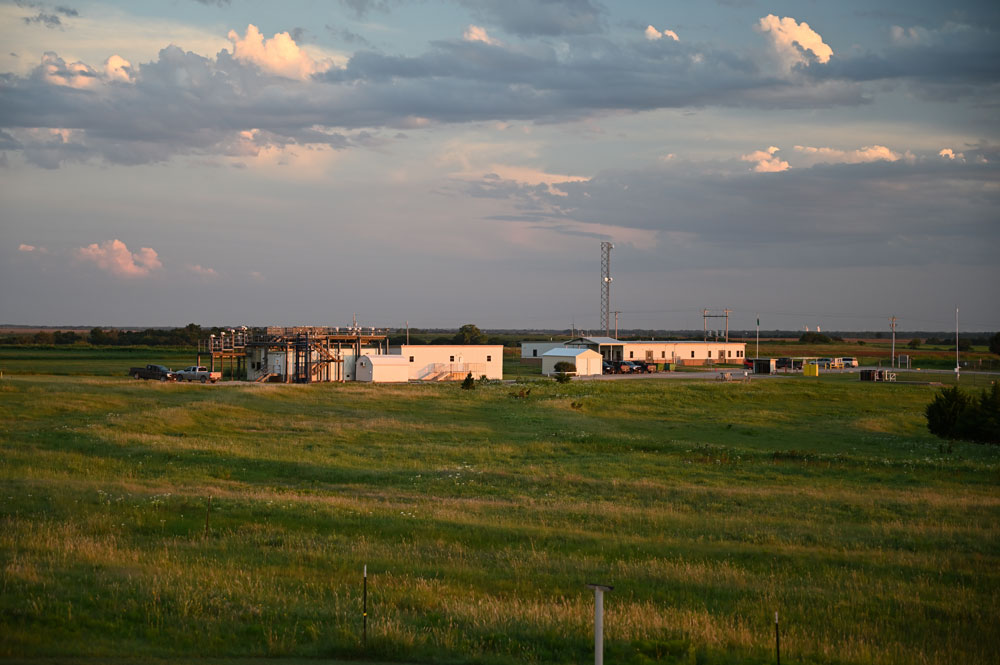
(156, 372)
(197, 373)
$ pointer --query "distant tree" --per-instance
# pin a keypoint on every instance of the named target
(43, 337)
(470, 334)
(469, 383)
(861, 342)
(945, 411)
(814, 338)
(995, 343)
(65, 337)
(914, 343)
(955, 415)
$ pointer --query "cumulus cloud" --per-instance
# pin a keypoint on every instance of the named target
(794, 41)
(950, 154)
(653, 34)
(873, 153)
(114, 257)
(56, 71)
(117, 68)
(31, 248)
(766, 161)
(278, 55)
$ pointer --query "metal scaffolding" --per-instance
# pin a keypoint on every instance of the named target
(606, 248)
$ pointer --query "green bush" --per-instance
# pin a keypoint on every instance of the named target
(563, 371)
(954, 415)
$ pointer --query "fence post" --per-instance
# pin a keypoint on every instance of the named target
(777, 640)
(599, 590)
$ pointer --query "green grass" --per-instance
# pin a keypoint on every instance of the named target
(481, 514)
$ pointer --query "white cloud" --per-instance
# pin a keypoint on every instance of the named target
(278, 55)
(31, 248)
(948, 153)
(653, 34)
(475, 33)
(117, 68)
(874, 153)
(909, 36)
(765, 161)
(202, 271)
(114, 257)
(793, 40)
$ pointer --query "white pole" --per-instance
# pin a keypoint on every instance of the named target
(599, 590)
(757, 354)
(957, 371)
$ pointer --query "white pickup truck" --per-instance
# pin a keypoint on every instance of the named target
(197, 373)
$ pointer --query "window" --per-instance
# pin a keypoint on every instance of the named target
(663, 354)
(451, 359)
(629, 354)
(730, 354)
(489, 359)
(709, 354)
(692, 354)
(534, 353)
(411, 359)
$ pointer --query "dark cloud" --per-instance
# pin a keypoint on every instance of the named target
(346, 36)
(954, 61)
(881, 213)
(361, 8)
(48, 20)
(67, 11)
(540, 17)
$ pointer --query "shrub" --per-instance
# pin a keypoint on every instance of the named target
(563, 370)
(914, 343)
(954, 415)
(469, 383)
(995, 343)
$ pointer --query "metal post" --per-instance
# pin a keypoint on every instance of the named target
(364, 615)
(957, 365)
(777, 640)
(892, 324)
(599, 590)
(757, 355)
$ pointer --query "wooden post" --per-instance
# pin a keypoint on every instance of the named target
(777, 640)
(364, 614)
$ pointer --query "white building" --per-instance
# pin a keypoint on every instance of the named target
(532, 352)
(451, 362)
(663, 352)
(383, 369)
(586, 362)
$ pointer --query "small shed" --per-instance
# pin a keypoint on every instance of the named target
(383, 369)
(586, 361)
(764, 365)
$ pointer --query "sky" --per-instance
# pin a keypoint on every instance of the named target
(442, 162)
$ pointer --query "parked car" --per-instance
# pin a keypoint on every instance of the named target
(608, 367)
(849, 362)
(155, 372)
(634, 367)
(198, 373)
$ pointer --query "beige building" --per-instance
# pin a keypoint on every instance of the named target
(586, 362)
(451, 362)
(383, 369)
(663, 352)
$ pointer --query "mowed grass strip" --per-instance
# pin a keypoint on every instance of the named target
(481, 514)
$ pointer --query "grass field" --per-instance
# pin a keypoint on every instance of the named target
(481, 515)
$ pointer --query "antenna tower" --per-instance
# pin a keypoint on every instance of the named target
(606, 248)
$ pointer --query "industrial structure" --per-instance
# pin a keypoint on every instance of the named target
(308, 354)
(681, 353)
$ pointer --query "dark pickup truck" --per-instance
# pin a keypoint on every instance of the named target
(156, 372)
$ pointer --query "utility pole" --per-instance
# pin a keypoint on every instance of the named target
(616, 313)
(892, 320)
(757, 355)
(957, 371)
(407, 333)
(606, 248)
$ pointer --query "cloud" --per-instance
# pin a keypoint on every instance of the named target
(950, 154)
(202, 271)
(540, 17)
(56, 71)
(765, 161)
(31, 248)
(48, 20)
(474, 33)
(793, 41)
(114, 257)
(873, 153)
(117, 68)
(653, 34)
(278, 55)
